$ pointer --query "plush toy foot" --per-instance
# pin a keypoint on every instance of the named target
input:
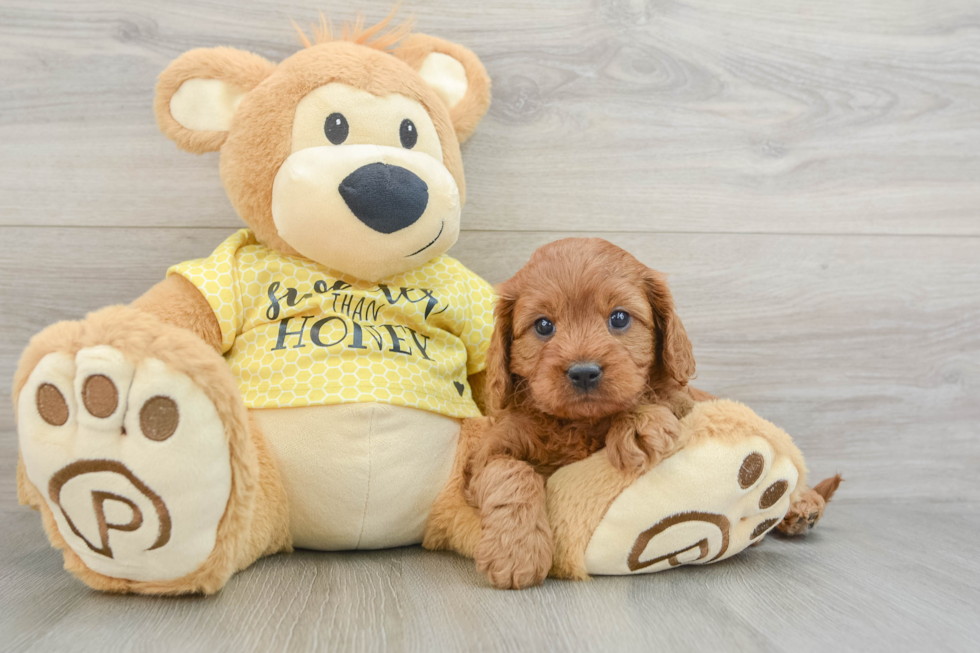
(128, 457)
(730, 485)
(806, 512)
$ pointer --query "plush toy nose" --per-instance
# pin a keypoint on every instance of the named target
(384, 197)
(584, 376)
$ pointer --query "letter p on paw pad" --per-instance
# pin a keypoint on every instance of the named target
(131, 459)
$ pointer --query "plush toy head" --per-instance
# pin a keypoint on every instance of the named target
(345, 153)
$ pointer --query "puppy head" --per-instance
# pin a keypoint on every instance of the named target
(583, 331)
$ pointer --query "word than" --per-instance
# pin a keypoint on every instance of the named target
(343, 302)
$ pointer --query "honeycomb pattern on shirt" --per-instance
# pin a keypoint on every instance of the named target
(298, 334)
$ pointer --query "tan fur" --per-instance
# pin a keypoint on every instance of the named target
(734, 421)
(468, 113)
(378, 36)
(238, 68)
(580, 495)
(270, 522)
(243, 527)
(177, 301)
(798, 520)
(172, 322)
(259, 141)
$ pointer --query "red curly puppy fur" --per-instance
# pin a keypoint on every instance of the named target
(587, 353)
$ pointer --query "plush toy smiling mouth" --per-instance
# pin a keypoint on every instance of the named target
(432, 242)
(387, 199)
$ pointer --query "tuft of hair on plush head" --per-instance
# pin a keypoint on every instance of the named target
(380, 36)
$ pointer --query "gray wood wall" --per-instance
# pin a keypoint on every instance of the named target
(808, 176)
(808, 173)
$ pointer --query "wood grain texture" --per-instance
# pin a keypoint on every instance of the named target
(612, 115)
(866, 349)
(872, 577)
(807, 173)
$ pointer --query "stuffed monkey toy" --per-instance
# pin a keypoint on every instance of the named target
(315, 382)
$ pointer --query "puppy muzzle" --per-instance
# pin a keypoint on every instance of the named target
(585, 377)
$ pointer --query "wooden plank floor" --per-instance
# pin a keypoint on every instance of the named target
(808, 175)
(873, 577)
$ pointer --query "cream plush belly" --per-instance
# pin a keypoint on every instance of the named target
(359, 476)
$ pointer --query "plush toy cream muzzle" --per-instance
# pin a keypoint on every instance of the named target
(315, 381)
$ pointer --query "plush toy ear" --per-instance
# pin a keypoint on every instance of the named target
(456, 75)
(674, 350)
(198, 93)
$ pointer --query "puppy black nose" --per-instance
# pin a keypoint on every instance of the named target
(384, 197)
(584, 376)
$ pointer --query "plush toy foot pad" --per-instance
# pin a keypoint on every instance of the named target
(132, 459)
(704, 504)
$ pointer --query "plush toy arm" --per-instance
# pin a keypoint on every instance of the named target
(176, 301)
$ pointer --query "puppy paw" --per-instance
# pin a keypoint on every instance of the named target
(681, 404)
(626, 455)
(642, 439)
(513, 561)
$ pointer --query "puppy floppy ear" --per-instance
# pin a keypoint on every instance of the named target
(500, 384)
(198, 93)
(673, 349)
(456, 75)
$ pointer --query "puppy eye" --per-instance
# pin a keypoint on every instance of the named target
(336, 128)
(619, 320)
(544, 327)
(408, 134)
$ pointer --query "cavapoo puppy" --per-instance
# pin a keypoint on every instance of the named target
(587, 353)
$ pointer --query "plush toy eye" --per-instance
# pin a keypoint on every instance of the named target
(408, 134)
(619, 320)
(336, 128)
(544, 327)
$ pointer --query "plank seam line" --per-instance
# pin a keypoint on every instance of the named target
(666, 232)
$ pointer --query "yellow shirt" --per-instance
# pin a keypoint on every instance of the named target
(298, 334)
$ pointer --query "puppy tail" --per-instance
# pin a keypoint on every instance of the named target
(827, 487)
(809, 508)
